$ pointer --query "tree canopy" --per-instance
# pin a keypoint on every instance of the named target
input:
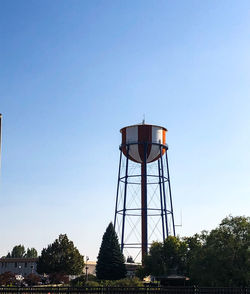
(223, 257)
(31, 253)
(61, 257)
(218, 258)
(110, 261)
(166, 258)
(19, 251)
(130, 259)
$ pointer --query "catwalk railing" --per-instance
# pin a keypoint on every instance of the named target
(123, 290)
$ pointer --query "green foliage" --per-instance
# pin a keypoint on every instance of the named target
(126, 282)
(166, 258)
(195, 252)
(81, 280)
(78, 282)
(61, 257)
(218, 258)
(110, 261)
(223, 257)
(92, 284)
(31, 253)
(19, 251)
(140, 272)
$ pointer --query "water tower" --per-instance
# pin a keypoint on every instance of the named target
(144, 209)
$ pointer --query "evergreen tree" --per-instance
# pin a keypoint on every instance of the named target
(61, 257)
(110, 261)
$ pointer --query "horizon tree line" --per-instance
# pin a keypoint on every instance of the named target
(217, 258)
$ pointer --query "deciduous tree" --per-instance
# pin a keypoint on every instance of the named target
(18, 251)
(31, 253)
(224, 257)
(167, 258)
(61, 257)
(218, 258)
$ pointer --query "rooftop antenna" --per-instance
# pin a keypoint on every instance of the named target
(179, 225)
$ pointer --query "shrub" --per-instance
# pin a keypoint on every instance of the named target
(32, 279)
(59, 278)
(7, 278)
(128, 282)
(92, 284)
(79, 281)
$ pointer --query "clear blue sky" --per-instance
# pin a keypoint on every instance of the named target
(74, 72)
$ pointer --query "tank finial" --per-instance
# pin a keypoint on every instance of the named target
(143, 120)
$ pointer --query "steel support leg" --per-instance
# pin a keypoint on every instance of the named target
(164, 193)
(124, 199)
(118, 186)
(144, 225)
(162, 209)
(170, 194)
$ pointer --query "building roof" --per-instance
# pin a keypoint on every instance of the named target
(10, 260)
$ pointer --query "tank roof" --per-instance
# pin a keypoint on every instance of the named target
(143, 125)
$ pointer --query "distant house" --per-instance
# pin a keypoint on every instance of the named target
(18, 266)
(90, 267)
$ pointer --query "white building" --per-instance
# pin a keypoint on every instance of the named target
(25, 266)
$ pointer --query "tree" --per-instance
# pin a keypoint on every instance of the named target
(110, 261)
(224, 257)
(130, 259)
(31, 253)
(18, 251)
(61, 257)
(218, 258)
(169, 257)
(195, 252)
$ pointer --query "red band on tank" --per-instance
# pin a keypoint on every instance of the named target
(124, 142)
(144, 136)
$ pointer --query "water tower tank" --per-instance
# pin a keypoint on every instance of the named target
(137, 135)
